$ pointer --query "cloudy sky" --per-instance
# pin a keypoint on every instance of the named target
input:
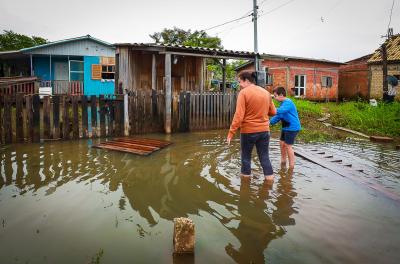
(338, 30)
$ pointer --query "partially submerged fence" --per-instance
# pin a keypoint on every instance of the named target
(30, 118)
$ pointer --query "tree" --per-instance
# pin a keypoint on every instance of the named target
(177, 36)
(10, 40)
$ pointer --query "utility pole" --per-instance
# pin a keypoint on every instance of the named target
(255, 7)
(384, 63)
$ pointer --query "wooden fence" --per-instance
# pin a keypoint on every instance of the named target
(30, 118)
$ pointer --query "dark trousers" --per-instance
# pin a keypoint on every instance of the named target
(247, 142)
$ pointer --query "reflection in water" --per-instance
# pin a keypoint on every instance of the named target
(256, 228)
(196, 177)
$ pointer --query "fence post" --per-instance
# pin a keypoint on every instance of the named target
(187, 111)
(75, 113)
(36, 117)
(181, 113)
(102, 116)
(1, 118)
(93, 109)
(126, 114)
(56, 117)
(29, 117)
(168, 93)
(7, 119)
(46, 117)
(84, 106)
(19, 122)
(65, 126)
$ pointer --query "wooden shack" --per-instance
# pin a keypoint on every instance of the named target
(168, 69)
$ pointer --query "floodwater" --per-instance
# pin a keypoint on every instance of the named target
(65, 202)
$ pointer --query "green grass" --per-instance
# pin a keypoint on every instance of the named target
(383, 119)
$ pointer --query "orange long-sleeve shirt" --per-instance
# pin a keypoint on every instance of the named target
(253, 108)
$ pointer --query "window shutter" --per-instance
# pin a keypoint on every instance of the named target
(96, 71)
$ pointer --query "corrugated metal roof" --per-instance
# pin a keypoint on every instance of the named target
(285, 57)
(87, 37)
(393, 51)
(190, 49)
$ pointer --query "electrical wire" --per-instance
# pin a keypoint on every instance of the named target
(228, 22)
(276, 8)
(391, 12)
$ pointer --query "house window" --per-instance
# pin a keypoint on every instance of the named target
(326, 81)
(75, 70)
(107, 72)
(299, 85)
(269, 79)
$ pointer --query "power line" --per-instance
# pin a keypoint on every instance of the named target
(391, 11)
(276, 8)
(228, 22)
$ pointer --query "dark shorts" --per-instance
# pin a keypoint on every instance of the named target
(261, 141)
(288, 136)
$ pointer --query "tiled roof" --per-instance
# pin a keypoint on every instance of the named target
(393, 50)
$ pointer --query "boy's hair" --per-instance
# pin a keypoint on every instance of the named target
(280, 91)
(248, 75)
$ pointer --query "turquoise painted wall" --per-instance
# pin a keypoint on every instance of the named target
(95, 87)
(42, 69)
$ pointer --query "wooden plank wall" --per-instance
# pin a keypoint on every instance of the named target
(30, 118)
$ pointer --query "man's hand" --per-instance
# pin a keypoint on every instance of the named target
(228, 140)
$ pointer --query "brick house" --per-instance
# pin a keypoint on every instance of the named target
(393, 66)
(354, 79)
(312, 79)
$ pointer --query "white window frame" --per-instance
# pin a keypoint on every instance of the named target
(69, 67)
(299, 87)
(326, 84)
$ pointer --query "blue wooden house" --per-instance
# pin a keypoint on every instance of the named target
(82, 65)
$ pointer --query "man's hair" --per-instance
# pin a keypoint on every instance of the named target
(248, 75)
(280, 91)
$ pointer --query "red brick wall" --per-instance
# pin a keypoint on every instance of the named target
(353, 81)
(311, 69)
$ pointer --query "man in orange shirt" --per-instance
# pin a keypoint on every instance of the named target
(253, 108)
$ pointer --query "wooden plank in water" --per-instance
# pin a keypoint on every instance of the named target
(145, 142)
(354, 175)
(140, 146)
(381, 139)
(123, 149)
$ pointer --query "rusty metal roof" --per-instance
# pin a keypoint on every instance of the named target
(190, 49)
(393, 51)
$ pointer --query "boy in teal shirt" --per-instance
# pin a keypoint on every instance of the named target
(287, 114)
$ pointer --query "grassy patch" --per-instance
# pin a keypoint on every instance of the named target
(383, 119)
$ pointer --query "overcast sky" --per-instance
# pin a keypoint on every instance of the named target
(338, 30)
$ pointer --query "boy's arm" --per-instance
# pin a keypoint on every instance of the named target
(275, 120)
(239, 114)
(272, 108)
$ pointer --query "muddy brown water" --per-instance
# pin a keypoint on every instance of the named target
(64, 202)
